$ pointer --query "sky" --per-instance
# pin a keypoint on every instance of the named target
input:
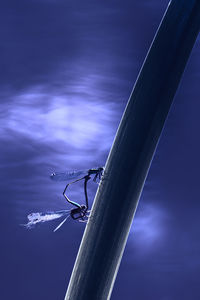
(67, 70)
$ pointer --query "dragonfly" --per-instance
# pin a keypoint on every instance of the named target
(80, 211)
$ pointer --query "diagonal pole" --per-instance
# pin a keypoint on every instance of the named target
(127, 166)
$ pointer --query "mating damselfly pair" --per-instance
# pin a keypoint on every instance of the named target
(80, 212)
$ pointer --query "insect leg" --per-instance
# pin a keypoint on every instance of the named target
(85, 190)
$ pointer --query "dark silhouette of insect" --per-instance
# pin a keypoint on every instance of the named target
(80, 212)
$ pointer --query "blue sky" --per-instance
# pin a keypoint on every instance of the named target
(68, 68)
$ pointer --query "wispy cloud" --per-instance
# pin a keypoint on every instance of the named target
(148, 230)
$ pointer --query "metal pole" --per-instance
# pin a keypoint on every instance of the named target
(117, 197)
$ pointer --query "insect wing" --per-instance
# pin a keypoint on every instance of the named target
(61, 224)
(41, 217)
(69, 175)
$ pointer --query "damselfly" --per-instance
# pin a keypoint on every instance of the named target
(80, 212)
(80, 174)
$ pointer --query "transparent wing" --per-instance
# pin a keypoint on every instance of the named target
(68, 175)
(61, 224)
(40, 217)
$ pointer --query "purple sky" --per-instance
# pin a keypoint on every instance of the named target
(67, 70)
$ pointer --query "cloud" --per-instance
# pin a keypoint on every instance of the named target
(79, 117)
(148, 229)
